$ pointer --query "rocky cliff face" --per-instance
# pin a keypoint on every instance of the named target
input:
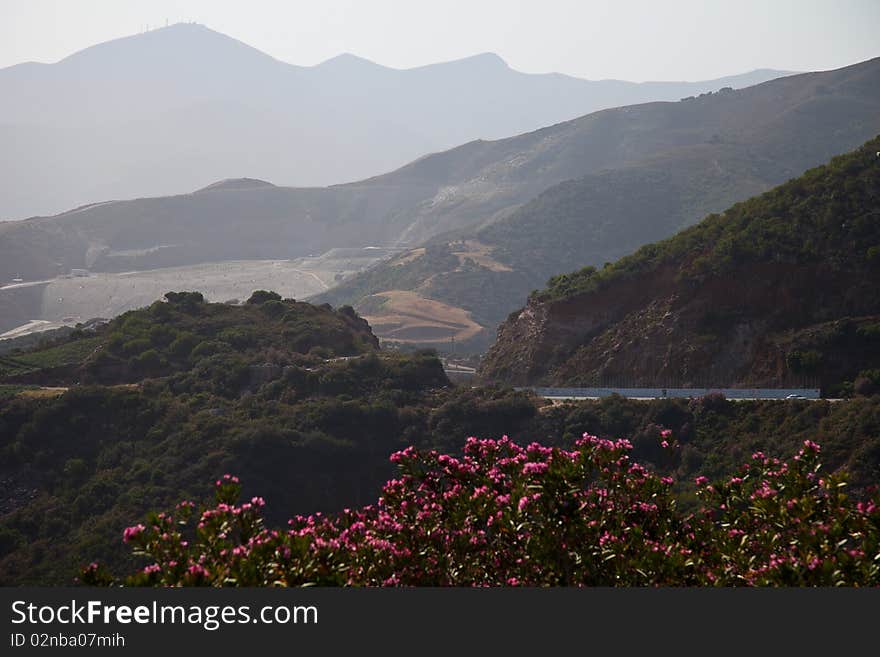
(779, 290)
(744, 330)
(543, 335)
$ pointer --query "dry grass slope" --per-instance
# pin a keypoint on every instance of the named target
(407, 317)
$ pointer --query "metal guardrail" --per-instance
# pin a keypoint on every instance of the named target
(677, 393)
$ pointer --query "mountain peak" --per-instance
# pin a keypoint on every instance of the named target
(347, 60)
(178, 42)
(487, 58)
(229, 184)
(483, 61)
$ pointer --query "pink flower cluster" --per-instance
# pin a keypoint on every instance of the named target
(131, 533)
(501, 514)
(226, 479)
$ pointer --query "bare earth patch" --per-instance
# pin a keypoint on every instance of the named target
(408, 317)
(42, 393)
(68, 299)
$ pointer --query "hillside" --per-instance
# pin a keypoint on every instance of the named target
(184, 333)
(779, 288)
(654, 169)
(263, 391)
(689, 157)
(174, 109)
(459, 188)
(319, 440)
(104, 422)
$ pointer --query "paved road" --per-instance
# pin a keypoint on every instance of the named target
(14, 286)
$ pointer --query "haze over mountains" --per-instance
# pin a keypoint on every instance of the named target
(623, 177)
(175, 109)
(487, 221)
(205, 306)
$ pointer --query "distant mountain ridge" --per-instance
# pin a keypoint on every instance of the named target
(176, 108)
(526, 207)
(780, 287)
(236, 183)
(623, 177)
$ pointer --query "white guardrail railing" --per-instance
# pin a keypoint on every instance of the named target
(678, 393)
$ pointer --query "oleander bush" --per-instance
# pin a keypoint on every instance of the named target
(506, 515)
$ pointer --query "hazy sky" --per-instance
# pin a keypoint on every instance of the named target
(625, 39)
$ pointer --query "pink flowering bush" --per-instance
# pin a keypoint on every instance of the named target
(503, 514)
